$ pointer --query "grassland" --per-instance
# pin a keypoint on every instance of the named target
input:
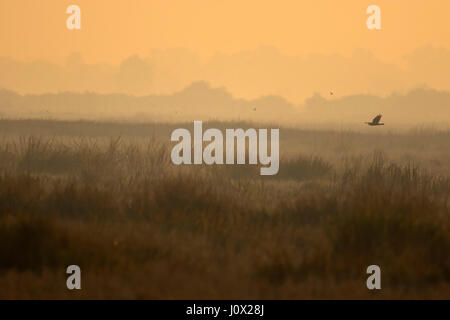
(105, 196)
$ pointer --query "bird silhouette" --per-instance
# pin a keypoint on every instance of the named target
(376, 121)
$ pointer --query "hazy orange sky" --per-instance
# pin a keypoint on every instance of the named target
(114, 30)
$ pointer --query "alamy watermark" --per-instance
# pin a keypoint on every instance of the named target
(374, 20)
(374, 280)
(74, 279)
(73, 22)
(235, 147)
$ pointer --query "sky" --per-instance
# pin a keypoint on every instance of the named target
(111, 31)
(291, 48)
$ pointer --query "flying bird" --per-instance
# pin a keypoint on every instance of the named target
(376, 121)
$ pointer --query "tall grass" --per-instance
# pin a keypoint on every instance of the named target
(140, 227)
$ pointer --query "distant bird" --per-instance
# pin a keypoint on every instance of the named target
(376, 121)
(331, 93)
(254, 109)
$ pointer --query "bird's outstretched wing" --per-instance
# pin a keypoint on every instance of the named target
(377, 119)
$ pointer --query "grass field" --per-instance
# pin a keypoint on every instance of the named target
(106, 197)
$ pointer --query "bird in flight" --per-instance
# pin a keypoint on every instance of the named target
(376, 121)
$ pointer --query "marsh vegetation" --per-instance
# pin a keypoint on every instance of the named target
(105, 196)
